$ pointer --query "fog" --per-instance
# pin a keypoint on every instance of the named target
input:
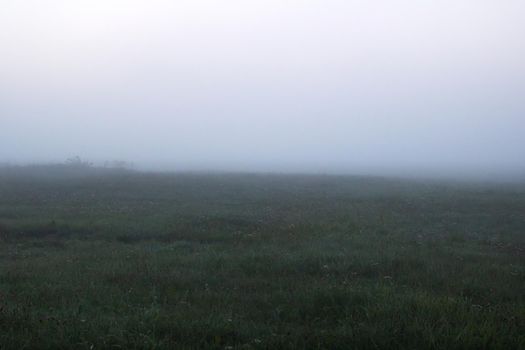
(360, 87)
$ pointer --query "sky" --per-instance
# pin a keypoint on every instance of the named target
(370, 86)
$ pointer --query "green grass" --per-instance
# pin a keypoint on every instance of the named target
(106, 259)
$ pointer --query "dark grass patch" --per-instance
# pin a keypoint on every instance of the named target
(50, 231)
(202, 230)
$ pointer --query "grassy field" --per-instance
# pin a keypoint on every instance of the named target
(98, 259)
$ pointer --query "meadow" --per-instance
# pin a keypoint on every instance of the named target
(100, 258)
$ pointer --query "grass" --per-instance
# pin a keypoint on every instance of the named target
(112, 259)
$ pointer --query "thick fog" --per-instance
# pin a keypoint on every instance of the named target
(379, 87)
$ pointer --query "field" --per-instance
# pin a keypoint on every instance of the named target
(99, 259)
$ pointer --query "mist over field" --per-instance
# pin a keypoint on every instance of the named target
(364, 87)
(262, 174)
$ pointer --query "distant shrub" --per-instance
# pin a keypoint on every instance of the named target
(77, 162)
(118, 164)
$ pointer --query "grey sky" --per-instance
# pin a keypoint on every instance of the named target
(332, 86)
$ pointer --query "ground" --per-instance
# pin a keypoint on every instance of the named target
(96, 259)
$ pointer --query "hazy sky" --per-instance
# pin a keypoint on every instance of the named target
(331, 86)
